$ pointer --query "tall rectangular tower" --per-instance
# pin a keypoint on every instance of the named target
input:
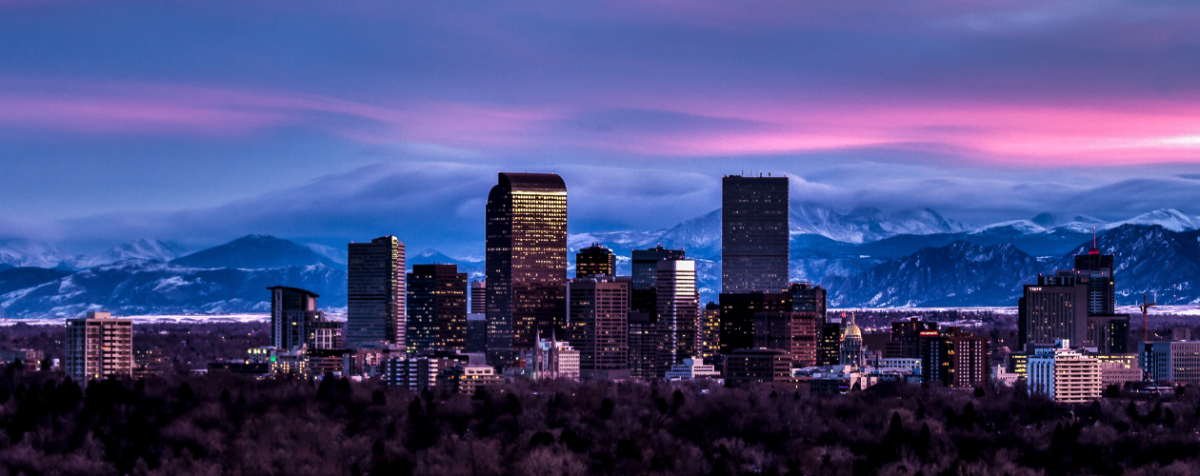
(754, 234)
(1097, 271)
(1053, 309)
(479, 297)
(293, 313)
(678, 314)
(437, 308)
(645, 275)
(98, 346)
(595, 260)
(375, 313)
(526, 262)
(599, 310)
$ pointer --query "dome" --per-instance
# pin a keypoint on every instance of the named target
(853, 330)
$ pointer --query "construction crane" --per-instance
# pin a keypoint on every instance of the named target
(1146, 318)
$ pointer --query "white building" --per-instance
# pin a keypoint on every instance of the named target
(555, 359)
(1064, 374)
(1003, 377)
(912, 366)
(692, 368)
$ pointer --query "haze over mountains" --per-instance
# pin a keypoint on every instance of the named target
(866, 258)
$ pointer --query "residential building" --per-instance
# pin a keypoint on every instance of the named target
(296, 322)
(150, 362)
(690, 369)
(437, 308)
(678, 313)
(526, 262)
(376, 292)
(599, 326)
(595, 260)
(98, 346)
(1064, 374)
(792, 332)
(754, 234)
(30, 358)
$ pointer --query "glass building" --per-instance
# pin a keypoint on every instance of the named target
(754, 234)
(437, 308)
(375, 313)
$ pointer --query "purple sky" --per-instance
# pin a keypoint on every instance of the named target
(330, 121)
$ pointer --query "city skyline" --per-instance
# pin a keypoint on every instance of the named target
(401, 121)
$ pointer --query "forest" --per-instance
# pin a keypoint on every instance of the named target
(226, 424)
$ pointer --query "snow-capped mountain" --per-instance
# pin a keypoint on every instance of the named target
(140, 249)
(255, 252)
(867, 224)
(1168, 218)
(25, 253)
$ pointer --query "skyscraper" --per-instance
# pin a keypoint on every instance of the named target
(599, 310)
(1053, 309)
(526, 262)
(437, 308)
(737, 316)
(643, 345)
(710, 331)
(295, 321)
(808, 298)
(1097, 271)
(98, 346)
(375, 313)
(645, 275)
(955, 357)
(595, 260)
(678, 313)
(791, 332)
(478, 297)
(754, 234)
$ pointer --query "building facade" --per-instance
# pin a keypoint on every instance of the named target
(678, 313)
(748, 366)
(754, 234)
(376, 293)
(643, 345)
(478, 297)
(526, 261)
(1172, 362)
(643, 293)
(1053, 309)
(737, 316)
(98, 346)
(710, 331)
(595, 260)
(437, 308)
(956, 358)
(792, 332)
(599, 326)
(1064, 375)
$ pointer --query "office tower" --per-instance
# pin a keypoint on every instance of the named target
(710, 331)
(476, 333)
(1108, 334)
(678, 313)
(375, 313)
(437, 308)
(98, 346)
(737, 316)
(643, 345)
(479, 297)
(595, 260)
(852, 346)
(808, 298)
(956, 358)
(1064, 375)
(1177, 362)
(1096, 270)
(526, 262)
(645, 275)
(792, 332)
(830, 347)
(293, 310)
(599, 326)
(747, 366)
(908, 333)
(1053, 309)
(754, 234)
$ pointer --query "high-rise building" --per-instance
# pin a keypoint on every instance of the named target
(748, 366)
(375, 307)
(908, 334)
(754, 234)
(792, 332)
(1064, 375)
(1096, 270)
(710, 331)
(1053, 309)
(1108, 333)
(808, 298)
(599, 326)
(595, 260)
(678, 313)
(98, 346)
(643, 345)
(478, 297)
(476, 333)
(642, 295)
(437, 308)
(830, 346)
(294, 316)
(526, 262)
(955, 357)
(737, 316)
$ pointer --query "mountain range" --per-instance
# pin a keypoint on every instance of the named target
(865, 258)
